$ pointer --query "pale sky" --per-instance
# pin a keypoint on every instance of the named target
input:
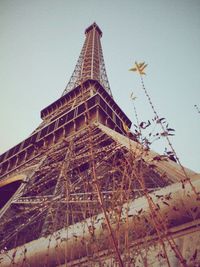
(40, 42)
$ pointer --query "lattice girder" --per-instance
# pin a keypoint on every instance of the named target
(62, 191)
(90, 64)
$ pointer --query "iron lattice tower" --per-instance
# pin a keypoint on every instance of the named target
(76, 172)
(46, 180)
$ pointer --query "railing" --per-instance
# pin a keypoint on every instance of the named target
(29, 145)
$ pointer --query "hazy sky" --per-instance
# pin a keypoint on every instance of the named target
(40, 42)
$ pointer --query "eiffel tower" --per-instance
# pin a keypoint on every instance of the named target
(67, 191)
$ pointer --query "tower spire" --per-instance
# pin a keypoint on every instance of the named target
(90, 65)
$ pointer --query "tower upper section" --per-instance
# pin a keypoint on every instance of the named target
(90, 64)
(86, 100)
